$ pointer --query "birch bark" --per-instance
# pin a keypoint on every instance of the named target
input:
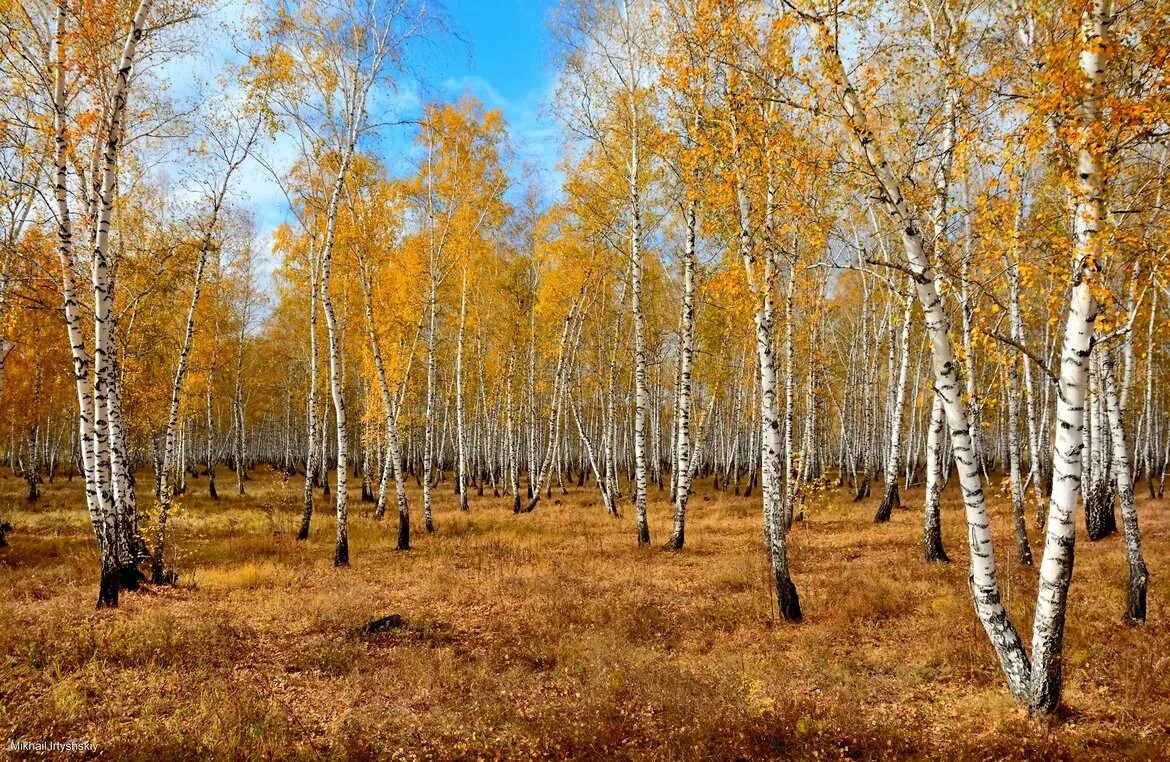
(1139, 575)
(682, 472)
(429, 425)
(762, 286)
(890, 498)
(1057, 562)
(390, 410)
(640, 392)
(314, 455)
(982, 578)
(544, 474)
(92, 402)
(460, 434)
(341, 550)
(932, 522)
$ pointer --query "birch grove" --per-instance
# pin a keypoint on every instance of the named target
(794, 254)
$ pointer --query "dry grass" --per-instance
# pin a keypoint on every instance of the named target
(552, 635)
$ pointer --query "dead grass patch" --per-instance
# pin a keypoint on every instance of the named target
(551, 635)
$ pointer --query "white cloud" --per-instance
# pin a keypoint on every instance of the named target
(531, 128)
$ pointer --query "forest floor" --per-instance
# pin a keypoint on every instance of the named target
(552, 635)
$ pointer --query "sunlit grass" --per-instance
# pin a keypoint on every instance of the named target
(553, 635)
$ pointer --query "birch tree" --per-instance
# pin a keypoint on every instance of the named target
(231, 147)
(983, 579)
(1056, 564)
(323, 61)
(608, 52)
(91, 364)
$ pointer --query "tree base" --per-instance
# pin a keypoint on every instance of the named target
(130, 577)
(1045, 700)
(862, 488)
(1100, 517)
(933, 548)
(161, 576)
(787, 600)
(937, 556)
(611, 505)
(403, 531)
(108, 589)
(890, 500)
(1135, 604)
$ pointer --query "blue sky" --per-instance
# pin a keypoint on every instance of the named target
(498, 52)
(507, 43)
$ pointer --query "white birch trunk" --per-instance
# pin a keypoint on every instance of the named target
(682, 472)
(429, 420)
(341, 550)
(93, 436)
(1023, 549)
(105, 380)
(640, 392)
(314, 455)
(460, 434)
(544, 474)
(531, 411)
(510, 433)
(1057, 563)
(1139, 575)
(1147, 442)
(983, 579)
(762, 287)
(606, 496)
(932, 520)
(390, 410)
(158, 556)
(789, 413)
(890, 498)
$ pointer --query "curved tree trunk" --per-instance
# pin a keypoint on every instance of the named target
(983, 579)
(390, 410)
